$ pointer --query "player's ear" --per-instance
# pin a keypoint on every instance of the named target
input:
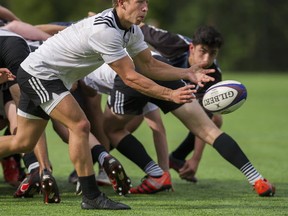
(191, 47)
(121, 4)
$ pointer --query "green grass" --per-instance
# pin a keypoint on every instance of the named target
(260, 128)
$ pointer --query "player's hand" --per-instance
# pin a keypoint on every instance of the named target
(189, 170)
(6, 75)
(198, 74)
(183, 95)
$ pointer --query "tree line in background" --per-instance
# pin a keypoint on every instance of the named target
(255, 32)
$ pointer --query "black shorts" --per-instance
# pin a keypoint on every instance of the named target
(125, 100)
(12, 53)
(35, 91)
(78, 95)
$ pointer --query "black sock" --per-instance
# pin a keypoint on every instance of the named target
(97, 150)
(230, 150)
(94, 154)
(185, 148)
(130, 147)
(29, 158)
(89, 187)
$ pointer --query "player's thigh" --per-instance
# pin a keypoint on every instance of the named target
(115, 122)
(154, 120)
(69, 113)
(196, 120)
(29, 131)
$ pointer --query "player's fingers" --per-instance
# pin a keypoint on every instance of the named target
(208, 71)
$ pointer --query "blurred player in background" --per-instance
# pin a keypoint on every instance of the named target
(183, 52)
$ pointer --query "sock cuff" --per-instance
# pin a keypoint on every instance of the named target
(98, 149)
(29, 158)
(99, 152)
(222, 138)
(33, 166)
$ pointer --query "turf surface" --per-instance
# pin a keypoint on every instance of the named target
(260, 128)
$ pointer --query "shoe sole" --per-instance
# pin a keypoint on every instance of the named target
(120, 181)
(268, 193)
(50, 191)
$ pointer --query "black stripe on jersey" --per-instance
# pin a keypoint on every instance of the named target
(104, 20)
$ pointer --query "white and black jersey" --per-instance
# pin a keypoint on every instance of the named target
(84, 46)
(101, 79)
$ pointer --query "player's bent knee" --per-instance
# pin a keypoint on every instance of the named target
(82, 126)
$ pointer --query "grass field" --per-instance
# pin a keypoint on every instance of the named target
(259, 126)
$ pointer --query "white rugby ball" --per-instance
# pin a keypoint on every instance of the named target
(224, 97)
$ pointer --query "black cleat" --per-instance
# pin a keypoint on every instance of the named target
(121, 183)
(102, 202)
(49, 188)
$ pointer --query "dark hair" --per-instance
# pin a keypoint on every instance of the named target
(207, 35)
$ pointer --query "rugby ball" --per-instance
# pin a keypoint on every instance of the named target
(224, 97)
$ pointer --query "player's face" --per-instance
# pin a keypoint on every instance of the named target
(200, 53)
(135, 10)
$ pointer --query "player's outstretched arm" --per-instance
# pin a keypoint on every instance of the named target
(159, 70)
(125, 69)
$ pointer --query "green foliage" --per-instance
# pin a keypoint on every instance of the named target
(255, 31)
(55, 10)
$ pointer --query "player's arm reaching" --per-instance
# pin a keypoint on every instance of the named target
(6, 14)
(126, 70)
(159, 70)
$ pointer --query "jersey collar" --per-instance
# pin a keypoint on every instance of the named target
(118, 21)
